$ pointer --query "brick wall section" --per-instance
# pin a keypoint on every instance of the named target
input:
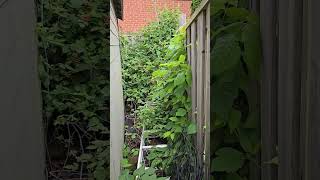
(139, 13)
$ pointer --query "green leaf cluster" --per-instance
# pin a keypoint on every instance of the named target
(143, 52)
(157, 79)
(235, 72)
(142, 174)
(74, 69)
(166, 112)
(195, 4)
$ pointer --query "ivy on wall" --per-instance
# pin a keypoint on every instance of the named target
(73, 66)
(235, 67)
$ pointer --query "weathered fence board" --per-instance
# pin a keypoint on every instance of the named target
(207, 95)
(200, 88)
(291, 88)
(198, 37)
(268, 19)
(193, 69)
(289, 60)
(311, 94)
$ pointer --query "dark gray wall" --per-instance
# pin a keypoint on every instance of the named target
(21, 134)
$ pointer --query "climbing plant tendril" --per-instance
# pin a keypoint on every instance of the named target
(235, 70)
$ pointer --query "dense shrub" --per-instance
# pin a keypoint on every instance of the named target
(157, 78)
(73, 65)
(165, 113)
(142, 53)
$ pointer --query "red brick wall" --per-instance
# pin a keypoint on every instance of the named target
(139, 13)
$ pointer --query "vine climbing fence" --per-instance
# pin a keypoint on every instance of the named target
(198, 51)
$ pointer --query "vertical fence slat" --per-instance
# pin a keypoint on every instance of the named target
(268, 116)
(188, 47)
(289, 70)
(312, 90)
(193, 67)
(188, 43)
(199, 57)
(193, 55)
(207, 94)
(200, 91)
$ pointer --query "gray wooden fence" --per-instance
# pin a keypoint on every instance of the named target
(290, 87)
(198, 51)
(290, 101)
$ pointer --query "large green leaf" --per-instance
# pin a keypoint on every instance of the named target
(181, 112)
(237, 14)
(252, 56)
(180, 79)
(227, 160)
(223, 95)
(234, 121)
(249, 140)
(100, 173)
(226, 54)
(245, 142)
(150, 171)
(125, 175)
(139, 172)
(192, 128)
(252, 121)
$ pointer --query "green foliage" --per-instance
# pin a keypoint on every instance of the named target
(226, 56)
(228, 160)
(157, 79)
(195, 4)
(166, 112)
(160, 158)
(142, 174)
(73, 66)
(142, 53)
(235, 64)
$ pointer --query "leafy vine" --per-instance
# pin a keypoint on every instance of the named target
(235, 67)
(172, 107)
